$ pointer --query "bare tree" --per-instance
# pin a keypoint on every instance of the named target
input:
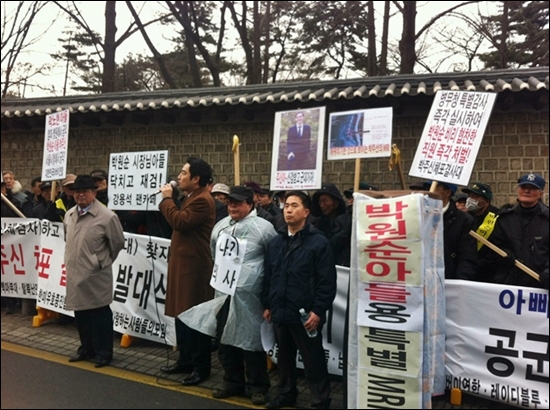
(409, 36)
(15, 40)
(195, 18)
(156, 55)
(106, 48)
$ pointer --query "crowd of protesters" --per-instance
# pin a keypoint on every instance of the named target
(290, 237)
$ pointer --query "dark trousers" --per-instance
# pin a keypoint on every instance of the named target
(290, 338)
(194, 348)
(95, 329)
(244, 371)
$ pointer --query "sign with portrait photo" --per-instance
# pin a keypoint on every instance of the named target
(297, 161)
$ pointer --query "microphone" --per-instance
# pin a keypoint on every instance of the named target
(173, 184)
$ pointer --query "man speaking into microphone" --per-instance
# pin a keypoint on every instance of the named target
(190, 265)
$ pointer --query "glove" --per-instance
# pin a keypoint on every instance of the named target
(509, 260)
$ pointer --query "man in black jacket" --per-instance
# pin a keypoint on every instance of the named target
(300, 273)
(459, 247)
(485, 216)
(522, 232)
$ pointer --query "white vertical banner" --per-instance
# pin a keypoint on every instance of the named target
(395, 330)
(452, 135)
(56, 146)
(135, 179)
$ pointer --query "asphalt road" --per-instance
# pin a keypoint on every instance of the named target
(34, 382)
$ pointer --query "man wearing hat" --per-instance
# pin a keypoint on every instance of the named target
(100, 180)
(327, 203)
(262, 213)
(459, 247)
(94, 238)
(485, 215)
(220, 193)
(522, 232)
(66, 199)
(45, 207)
(239, 320)
(266, 202)
(460, 201)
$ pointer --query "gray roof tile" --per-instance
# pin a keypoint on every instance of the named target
(515, 80)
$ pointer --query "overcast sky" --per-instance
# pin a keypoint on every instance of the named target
(94, 14)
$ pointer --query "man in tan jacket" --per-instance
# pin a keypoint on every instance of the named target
(94, 237)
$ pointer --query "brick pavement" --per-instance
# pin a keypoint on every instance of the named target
(146, 357)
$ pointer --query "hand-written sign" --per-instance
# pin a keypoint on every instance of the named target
(228, 262)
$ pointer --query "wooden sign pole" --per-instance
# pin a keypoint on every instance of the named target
(236, 160)
(357, 174)
(495, 248)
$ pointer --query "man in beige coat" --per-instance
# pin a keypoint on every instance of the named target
(94, 237)
(190, 265)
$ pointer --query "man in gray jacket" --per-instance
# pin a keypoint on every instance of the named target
(94, 237)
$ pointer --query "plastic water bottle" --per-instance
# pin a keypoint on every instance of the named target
(304, 317)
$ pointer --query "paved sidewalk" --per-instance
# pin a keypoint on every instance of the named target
(147, 357)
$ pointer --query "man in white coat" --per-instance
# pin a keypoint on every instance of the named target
(244, 237)
(94, 237)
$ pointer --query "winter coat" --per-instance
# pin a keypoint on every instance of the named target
(300, 273)
(93, 242)
(524, 234)
(340, 238)
(189, 259)
(245, 314)
(460, 249)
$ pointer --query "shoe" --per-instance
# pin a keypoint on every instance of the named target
(102, 363)
(176, 368)
(279, 402)
(79, 357)
(194, 379)
(323, 405)
(225, 393)
(259, 398)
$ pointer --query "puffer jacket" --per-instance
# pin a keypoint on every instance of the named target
(300, 273)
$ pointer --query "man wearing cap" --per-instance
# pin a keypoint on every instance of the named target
(326, 205)
(45, 207)
(266, 202)
(66, 199)
(100, 180)
(239, 320)
(460, 201)
(94, 238)
(459, 247)
(262, 213)
(522, 232)
(485, 215)
(219, 192)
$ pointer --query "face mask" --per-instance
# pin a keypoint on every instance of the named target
(472, 204)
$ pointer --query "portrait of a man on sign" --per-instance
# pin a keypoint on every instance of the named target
(298, 148)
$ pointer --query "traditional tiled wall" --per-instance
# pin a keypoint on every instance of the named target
(514, 144)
